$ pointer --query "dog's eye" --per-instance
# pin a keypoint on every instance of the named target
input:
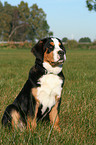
(49, 50)
(62, 47)
(51, 47)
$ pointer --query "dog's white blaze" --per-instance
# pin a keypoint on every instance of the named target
(50, 88)
(56, 49)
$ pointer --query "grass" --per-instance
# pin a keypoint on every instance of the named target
(78, 106)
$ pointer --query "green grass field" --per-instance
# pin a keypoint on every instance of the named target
(78, 106)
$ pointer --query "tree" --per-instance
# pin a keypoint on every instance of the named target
(85, 39)
(65, 39)
(22, 26)
(15, 25)
(91, 4)
(20, 23)
(38, 24)
(1, 12)
(5, 20)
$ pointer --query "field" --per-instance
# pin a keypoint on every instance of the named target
(78, 106)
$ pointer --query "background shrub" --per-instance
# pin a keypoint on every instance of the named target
(72, 44)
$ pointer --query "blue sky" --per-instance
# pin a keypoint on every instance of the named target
(66, 18)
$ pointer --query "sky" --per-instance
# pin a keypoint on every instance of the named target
(66, 18)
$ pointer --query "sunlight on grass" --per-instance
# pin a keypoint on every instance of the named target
(78, 106)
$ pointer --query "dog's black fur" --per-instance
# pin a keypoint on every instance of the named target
(25, 103)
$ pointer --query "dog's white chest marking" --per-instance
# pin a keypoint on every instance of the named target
(50, 87)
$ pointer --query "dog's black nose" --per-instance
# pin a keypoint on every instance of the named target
(61, 53)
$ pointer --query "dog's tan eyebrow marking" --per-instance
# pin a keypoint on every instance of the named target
(52, 43)
(41, 42)
(59, 43)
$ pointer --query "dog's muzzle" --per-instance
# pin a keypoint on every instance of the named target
(62, 55)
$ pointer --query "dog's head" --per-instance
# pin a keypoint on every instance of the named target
(50, 52)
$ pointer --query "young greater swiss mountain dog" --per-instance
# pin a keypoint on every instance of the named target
(41, 93)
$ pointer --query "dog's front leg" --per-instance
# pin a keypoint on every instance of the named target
(54, 117)
(31, 123)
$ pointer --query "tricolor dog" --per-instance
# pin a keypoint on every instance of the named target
(41, 93)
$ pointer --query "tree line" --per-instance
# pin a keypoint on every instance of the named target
(81, 40)
(20, 23)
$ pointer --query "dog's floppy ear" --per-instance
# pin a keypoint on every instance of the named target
(38, 49)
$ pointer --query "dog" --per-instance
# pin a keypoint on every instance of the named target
(41, 93)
